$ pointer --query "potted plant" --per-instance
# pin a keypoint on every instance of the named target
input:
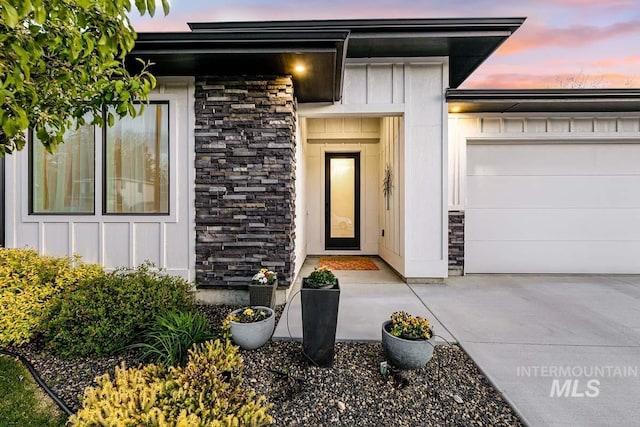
(320, 296)
(262, 290)
(251, 327)
(408, 341)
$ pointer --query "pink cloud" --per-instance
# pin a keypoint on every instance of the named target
(610, 3)
(559, 80)
(535, 36)
(616, 62)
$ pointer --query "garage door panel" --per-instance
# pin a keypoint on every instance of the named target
(552, 257)
(553, 192)
(553, 208)
(553, 159)
(553, 224)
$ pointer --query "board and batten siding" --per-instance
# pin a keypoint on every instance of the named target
(118, 240)
(411, 88)
(390, 245)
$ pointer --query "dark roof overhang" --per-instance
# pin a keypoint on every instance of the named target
(277, 53)
(542, 100)
(273, 47)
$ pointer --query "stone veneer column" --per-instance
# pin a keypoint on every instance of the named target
(245, 179)
(456, 242)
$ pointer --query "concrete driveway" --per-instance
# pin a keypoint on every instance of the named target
(564, 350)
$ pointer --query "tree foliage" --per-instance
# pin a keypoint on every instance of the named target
(61, 61)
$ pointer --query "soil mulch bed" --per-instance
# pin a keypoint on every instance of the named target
(450, 390)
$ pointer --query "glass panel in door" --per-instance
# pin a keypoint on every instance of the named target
(342, 210)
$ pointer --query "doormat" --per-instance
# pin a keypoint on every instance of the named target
(347, 263)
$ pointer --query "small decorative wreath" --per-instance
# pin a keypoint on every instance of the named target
(387, 184)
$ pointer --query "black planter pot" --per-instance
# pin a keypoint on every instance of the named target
(263, 295)
(319, 321)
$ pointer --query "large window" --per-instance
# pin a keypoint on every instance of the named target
(135, 154)
(64, 182)
(137, 163)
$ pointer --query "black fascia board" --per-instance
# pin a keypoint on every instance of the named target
(243, 37)
(470, 95)
(366, 25)
(543, 100)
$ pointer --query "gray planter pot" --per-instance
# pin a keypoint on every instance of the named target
(319, 322)
(263, 295)
(250, 336)
(407, 354)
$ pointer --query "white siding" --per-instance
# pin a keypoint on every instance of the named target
(343, 128)
(116, 241)
(390, 245)
(425, 155)
(301, 198)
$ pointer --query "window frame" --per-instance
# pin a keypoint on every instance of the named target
(30, 183)
(104, 166)
(100, 172)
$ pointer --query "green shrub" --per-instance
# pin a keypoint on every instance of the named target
(208, 391)
(171, 335)
(29, 286)
(103, 316)
(321, 276)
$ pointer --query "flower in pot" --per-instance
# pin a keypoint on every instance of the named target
(320, 297)
(251, 327)
(408, 341)
(321, 277)
(262, 290)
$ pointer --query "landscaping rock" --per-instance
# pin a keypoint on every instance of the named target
(449, 390)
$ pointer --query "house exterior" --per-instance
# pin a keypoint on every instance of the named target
(265, 142)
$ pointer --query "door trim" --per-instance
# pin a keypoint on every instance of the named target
(337, 243)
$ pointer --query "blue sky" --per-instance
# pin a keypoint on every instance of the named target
(596, 43)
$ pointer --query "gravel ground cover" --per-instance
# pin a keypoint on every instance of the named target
(450, 390)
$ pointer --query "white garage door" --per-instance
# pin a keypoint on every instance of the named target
(553, 208)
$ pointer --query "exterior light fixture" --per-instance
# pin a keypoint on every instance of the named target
(299, 68)
(455, 109)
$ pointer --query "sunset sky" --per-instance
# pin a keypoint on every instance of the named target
(594, 43)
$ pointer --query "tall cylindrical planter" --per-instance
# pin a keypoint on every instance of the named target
(263, 295)
(319, 322)
(406, 354)
(250, 336)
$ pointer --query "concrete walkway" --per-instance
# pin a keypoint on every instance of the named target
(520, 329)
(367, 298)
(564, 350)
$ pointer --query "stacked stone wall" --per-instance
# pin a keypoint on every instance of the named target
(456, 242)
(245, 179)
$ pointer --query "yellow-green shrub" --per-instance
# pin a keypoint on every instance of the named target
(206, 392)
(28, 285)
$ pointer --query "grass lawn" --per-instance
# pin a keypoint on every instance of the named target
(22, 402)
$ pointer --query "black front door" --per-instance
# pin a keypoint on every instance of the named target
(342, 201)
